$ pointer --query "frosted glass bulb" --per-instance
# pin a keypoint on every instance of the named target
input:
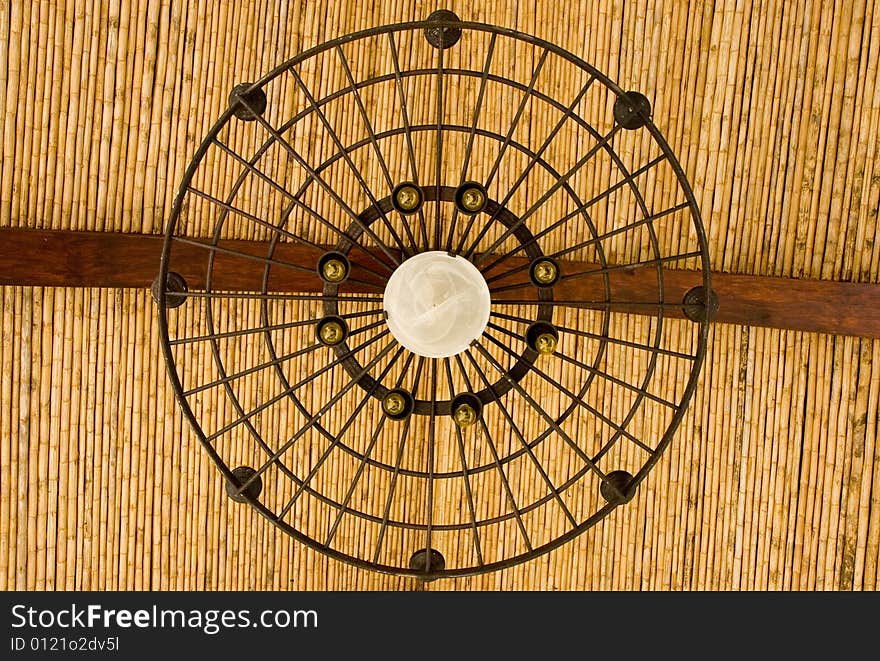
(437, 304)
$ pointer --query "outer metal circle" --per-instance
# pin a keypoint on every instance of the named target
(351, 555)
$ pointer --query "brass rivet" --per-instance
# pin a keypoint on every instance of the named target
(545, 272)
(464, 415)
(545, 343)
(472, 199)
(407, 198)
(331, 333)
(394, 403)
(334, 270)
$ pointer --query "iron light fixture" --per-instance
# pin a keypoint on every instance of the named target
(451, 379)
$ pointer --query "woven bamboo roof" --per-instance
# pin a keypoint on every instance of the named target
(773, 478)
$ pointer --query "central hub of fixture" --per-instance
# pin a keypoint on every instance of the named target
(436, 304)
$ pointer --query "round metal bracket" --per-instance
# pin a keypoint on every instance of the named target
(174, 282)
(242, 474)
(443, 37)
(616, 487)
(427, 561)
(700, 307)
(632, 110)
(255, 99)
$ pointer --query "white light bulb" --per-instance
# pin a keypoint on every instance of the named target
(437, 304)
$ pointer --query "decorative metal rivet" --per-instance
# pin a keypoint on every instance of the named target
(464, 415)
(466, 409)
(542, 337)
(632, 110)
(242, 474)
(174, 282)
(333, 267)
(544, 272)
(615, 488)
(698, 306)
(407, 198)
(427, 561)
(443, 37)
(255, 99)
(545, 344)
(397, 404)
(470, 198)
(331, 331)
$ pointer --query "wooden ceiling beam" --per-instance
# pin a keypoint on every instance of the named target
(104, 259)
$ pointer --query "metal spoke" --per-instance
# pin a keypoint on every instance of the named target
(601, 271)
(300, 204)
(438, 152)
(345, 427)
(407, 132)
(251, 217)
(601, 338)
(265, 296)
(345, 156)
(516, 117)
(317, 416)
(572, 396)
(464, 470)
(535, 159)
(537, 407)
(363, 463)
(272, 363)
(267, 260)
(265, 329)
(579, 210)
(519, 435)
(590, 305)
(288, 391)
(372, 134)
(467, 152)
(429, 460)
(583, 244)
(495, 458)
(320, 180)
(597, 372)
(559, 183)
(387, 513)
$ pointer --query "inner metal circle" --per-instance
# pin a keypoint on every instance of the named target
(436, 304)
(524, 361)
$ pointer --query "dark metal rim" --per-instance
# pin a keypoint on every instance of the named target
(689, 389)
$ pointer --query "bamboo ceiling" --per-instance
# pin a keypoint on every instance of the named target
(773, 479)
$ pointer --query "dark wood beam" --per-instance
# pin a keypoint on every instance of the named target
(104, 259)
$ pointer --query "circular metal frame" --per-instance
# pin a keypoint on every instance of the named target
(617, 487)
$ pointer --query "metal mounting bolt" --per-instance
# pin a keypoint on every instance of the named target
(545, 344)
(334, 270)
(545, 272)
(407, 197)
(394, 404)
(473, 199)
(464, 415)
(331, 333)
(244, 475)
(175, 286)
(254, 98)
(700, 304)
